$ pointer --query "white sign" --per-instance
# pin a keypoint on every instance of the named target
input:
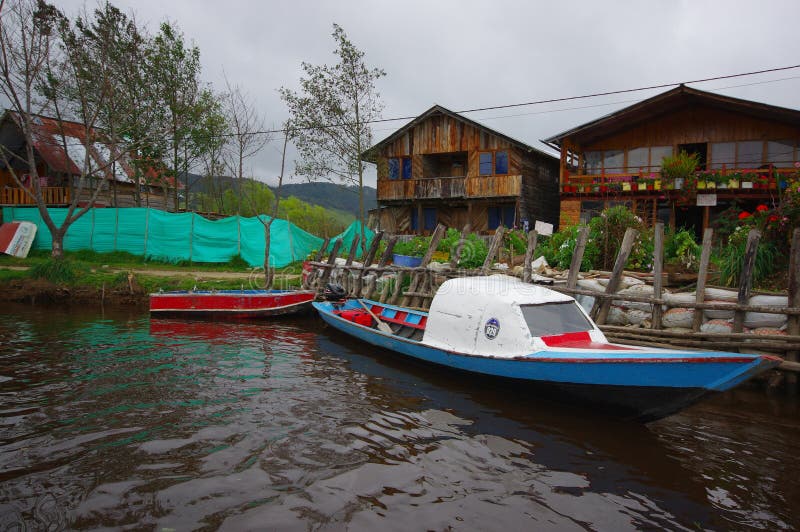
(706, 200)
(543, 228)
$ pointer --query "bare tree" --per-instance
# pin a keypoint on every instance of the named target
(247, 130)
(50, 67)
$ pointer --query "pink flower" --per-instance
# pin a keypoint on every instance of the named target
(797, 164)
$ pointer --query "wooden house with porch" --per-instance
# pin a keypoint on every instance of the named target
(444, 168)
(61, 148)
(747, 153)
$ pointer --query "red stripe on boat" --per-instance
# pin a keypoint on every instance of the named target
(581, 340)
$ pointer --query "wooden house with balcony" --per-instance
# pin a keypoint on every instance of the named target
(747, 153)
(445, 168)
(61, 149)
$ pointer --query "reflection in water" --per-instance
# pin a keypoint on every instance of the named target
(120, 420)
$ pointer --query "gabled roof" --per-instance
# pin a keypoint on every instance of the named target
(369, 155)
(666, 102)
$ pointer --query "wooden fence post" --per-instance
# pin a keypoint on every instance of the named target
(616, 274)
(493, 248)
(419, 277)
(793, 327)
(746, 278)
(533, 237)
(326, 274)
(658, 270)
(368, 258)
(351, 254)
(702, 276)
(577, 256)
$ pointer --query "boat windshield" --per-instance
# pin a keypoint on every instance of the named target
(555, 318)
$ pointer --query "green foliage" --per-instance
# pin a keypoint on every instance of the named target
(559, 248)
(57, 271)
(416, 247)
(516, 240)
(607, 231)
(681, 248)
(473, 253)
(680, 166)
(730, 259)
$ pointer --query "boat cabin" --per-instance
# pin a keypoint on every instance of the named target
(503, 317)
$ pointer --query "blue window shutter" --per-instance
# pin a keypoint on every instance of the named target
(414, 220)
(501, 162)
(494, 217)
(486, 163)
(429, 214)
(407, 168)
(394, 170)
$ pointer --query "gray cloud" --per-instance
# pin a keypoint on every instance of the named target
(467, 54)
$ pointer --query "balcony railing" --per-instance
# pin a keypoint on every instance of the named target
(725, 179)
(450, 187)
(18, 196)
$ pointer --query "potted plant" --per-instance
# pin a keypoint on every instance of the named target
(410, 252)
(679, 168)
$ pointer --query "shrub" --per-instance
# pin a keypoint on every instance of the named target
(681, 248)
(607, 232)
(730, 259)
(416, 247)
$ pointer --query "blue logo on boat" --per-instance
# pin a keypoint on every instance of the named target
(492, 328)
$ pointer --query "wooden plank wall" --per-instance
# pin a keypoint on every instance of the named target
(696, 124)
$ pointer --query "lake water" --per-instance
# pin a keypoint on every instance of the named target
(111, 420)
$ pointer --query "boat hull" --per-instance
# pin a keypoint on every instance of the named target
(637, 385)
(231, 304)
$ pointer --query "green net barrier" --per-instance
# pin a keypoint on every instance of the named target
(176, 236)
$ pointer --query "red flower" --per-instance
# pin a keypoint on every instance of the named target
(743, 215)
(772, 218)
(762, 208)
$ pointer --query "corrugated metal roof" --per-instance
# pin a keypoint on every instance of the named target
(64, 146)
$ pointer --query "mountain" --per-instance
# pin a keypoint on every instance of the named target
(331, 196)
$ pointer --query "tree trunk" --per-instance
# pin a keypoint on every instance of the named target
(58, 244)
(268, 273)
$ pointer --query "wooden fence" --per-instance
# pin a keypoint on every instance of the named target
(363, 281)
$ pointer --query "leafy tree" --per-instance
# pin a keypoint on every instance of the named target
(331, 116)
(51, 66)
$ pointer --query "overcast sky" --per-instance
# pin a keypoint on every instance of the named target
(468, 54)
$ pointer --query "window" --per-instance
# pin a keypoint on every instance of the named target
(613, 161)
(406, 167)
(555, 318)
(749, 154)
(501, 162)
(723, 154)
(780, 153)
(501, 215)
(414, 219)
(394, 168)
(657, 154)
(593, 162)
(485, 163)
(400, 166)
(637, 159)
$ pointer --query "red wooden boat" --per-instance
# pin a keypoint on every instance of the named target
(231, 304)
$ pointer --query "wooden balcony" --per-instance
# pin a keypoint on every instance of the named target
(51, 196)
(450, 187)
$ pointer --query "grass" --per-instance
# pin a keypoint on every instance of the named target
(110, 271)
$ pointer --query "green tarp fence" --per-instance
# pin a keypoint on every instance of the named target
(349, 234)
(177, 237)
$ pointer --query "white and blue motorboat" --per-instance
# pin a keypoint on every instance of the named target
(501, 327)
